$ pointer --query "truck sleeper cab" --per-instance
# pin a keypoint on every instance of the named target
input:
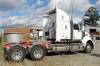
(64, 34)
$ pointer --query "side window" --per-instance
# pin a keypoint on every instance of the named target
(76, 27)
(47, 33)
(53, 24)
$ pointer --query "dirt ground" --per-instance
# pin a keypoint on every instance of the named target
(61, 59)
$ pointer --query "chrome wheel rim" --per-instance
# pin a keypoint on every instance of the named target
(38, 53)
(89, 48)
(17, 55)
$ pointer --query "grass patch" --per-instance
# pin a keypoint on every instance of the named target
(1, 44)
(1, 47)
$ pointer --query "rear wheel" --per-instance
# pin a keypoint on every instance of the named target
(16, 53)
(37, 53)
(88, 48)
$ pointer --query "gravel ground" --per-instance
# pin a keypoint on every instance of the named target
(62, 59)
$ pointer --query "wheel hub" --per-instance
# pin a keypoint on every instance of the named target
(17, 55)
(38, 53)
(89, 48)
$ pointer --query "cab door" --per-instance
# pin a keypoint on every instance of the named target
(77, 32)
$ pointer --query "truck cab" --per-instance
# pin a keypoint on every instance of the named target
(59, 27)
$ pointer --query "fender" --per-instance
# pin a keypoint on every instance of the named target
(9, 46)
(44, 44)
(86, 39)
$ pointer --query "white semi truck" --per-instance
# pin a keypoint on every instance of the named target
(60, 33)
(64, 34)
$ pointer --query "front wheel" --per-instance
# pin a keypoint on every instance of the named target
(88, 48)
(37, 53)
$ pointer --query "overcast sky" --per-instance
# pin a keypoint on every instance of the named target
(28, 12)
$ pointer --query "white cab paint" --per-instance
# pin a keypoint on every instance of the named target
(58, 25)
(63, 25)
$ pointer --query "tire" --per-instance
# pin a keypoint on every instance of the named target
(88, 48)
(5, 54)
(37, 53)
(16, 53)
